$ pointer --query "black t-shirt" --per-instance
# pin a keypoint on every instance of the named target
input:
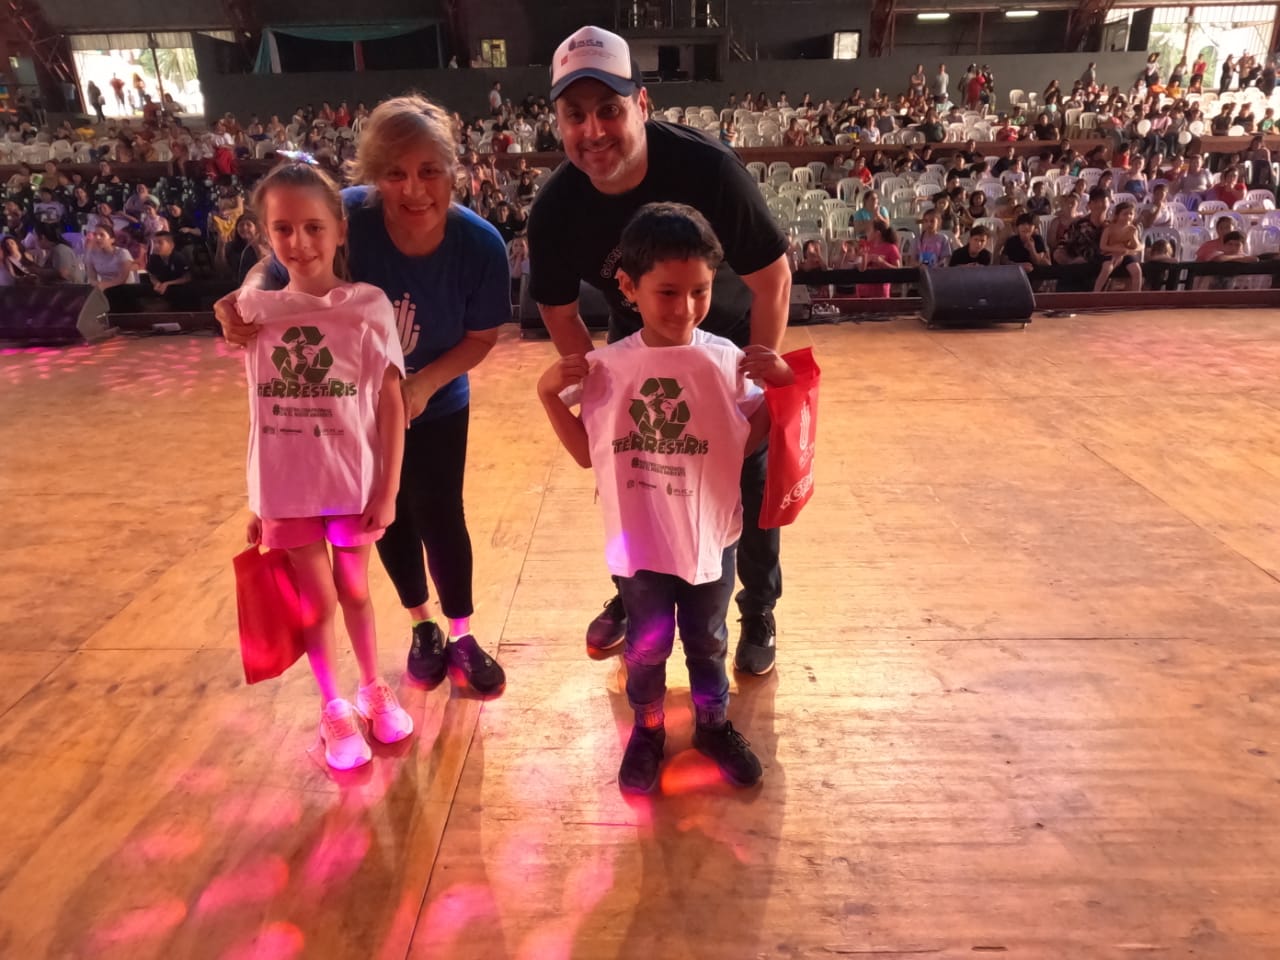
(574, 229)
(960, 257)
(162, 271)
(1015, 251)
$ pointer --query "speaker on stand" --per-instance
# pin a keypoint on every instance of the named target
(975, 296)
(62, 313)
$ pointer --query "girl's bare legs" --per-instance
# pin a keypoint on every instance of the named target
(1108, 266)
(319, 602)
(1135, 276)
(351, 578)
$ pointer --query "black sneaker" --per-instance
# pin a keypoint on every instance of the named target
(427, 662)
(642, 760)
(481, 670)
(755, 644)
(731, 752)
(608, 629)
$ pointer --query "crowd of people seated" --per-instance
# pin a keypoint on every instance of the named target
(1162, 115)
(151, 241)
(961, 208)
(937, 202)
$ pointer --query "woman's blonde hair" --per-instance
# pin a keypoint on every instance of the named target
(399, 125)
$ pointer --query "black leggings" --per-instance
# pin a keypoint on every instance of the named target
(429, 514)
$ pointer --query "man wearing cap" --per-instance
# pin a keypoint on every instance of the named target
(617, 163)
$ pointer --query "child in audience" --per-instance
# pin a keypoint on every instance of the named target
(667, 417)
(1160, 251)
(880, 252)
(336, 344)
(934, 246)
(975, 252)
(1038, 205)
(1122, 247)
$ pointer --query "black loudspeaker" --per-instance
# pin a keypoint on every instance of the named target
(63, 313)
(973, 296)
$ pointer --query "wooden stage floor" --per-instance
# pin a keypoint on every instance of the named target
(1028, 701)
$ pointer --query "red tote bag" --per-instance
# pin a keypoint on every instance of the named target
(793, 432)
(270, 613)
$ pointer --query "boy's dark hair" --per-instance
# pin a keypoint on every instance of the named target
(1027, 218)
(666, 231)
(1098, 193)
(979, 230)
(1235, 236)
(1122, 207)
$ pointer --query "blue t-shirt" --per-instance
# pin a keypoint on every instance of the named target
(464, 285)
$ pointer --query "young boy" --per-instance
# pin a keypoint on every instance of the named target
(975, 253)
(667, 417)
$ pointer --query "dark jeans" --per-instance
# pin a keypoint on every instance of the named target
(429, 515)
(759, 566)
(656, 604)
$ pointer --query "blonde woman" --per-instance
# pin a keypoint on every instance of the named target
(445, 271)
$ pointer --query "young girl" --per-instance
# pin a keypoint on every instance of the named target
(934, 247)
(1122, 247)
(880, 253)
(329, 352)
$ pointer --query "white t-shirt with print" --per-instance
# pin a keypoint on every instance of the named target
(315, 373)
(667, 428)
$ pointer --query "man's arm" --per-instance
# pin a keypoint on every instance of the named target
(771, 291)
(569, 331)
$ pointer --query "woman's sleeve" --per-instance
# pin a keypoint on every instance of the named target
(489, 300)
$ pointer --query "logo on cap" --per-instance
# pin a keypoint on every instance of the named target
(585, 42)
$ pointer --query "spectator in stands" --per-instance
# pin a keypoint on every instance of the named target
(342, 116)
(870, 213)
(976, 209)
(500, 217)
(934, 246)
(1081, 241)
(879, 251)
(1158, 212)
(975, 252)
(60, 264)
(47, 209)
(1196, 182)
(1228, 246)
(495, 99)
(1121, 248)
(1260, 159)
(106, 265)
(16, 264)
(546, 140)
(1038, 204)
(1160, 251)
(1229, 190)
(170, 273)
(1221, 124)
(794, 136)
(1228, 70)
(859, 170)
(246, 248)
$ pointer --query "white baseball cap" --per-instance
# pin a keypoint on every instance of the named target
(598, 54)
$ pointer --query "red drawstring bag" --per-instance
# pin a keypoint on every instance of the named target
(270, 613)
(793, 432)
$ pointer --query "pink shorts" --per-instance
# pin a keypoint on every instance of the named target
(343, 531)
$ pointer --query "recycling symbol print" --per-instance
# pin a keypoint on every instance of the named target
(659, 411)
(300, 358)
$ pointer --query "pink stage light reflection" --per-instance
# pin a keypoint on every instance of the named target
(457, 908)
(169, 844)
(337, 856)
(691, 772)
(278, 941)
(270, 813)
(144, 923)
(255, 882)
